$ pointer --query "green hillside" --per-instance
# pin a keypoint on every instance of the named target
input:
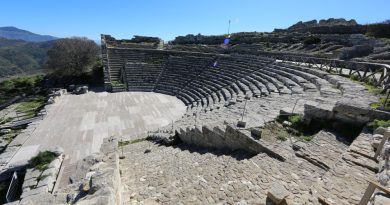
(20, 57)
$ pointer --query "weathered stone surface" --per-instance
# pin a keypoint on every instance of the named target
(5, 131)
(50, 172)
(46, 182)
(39, 190)
(55, 164)
(43, 199)
(30, 183)
(277, 193)
(32, 174)
(286, 123)
(256, 133)
(381, 200)
(380, 130)
(384, 177)
(376, 140)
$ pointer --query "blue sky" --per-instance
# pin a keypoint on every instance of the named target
(170, 18)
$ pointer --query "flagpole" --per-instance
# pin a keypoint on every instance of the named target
(229, 28)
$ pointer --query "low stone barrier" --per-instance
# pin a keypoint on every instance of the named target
(224, 138)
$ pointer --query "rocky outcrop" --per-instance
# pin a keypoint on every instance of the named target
(323, 22)
(101, 183)
(328, 26)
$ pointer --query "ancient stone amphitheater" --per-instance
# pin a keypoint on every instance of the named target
(225, 154)
(236, 142)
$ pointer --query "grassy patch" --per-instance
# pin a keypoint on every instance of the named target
(20, 85)
(354, 77)
(381, 103)
(378, 123)
(42, 160)
(299, 128)
(31, 104)
(373, 89)
(5, 120)
(273, 131)
(370, 85)
(116, 83)
(127, 142)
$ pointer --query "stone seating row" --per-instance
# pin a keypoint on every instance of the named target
(205, 81)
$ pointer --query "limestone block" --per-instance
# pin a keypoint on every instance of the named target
(277, 193)
(384, 177)
(43, 198)
(256, 133)
(47, 182)
(55, 164)
(50, 172)
(30, 183)
(51, 100)
(381, 200)
(286, 123)
(298, 146)
(39, 190)
(5, 131)
(376, 140)
(96, 166)
(12, 203)
(231, 102)
(241, 124)
(380, 130)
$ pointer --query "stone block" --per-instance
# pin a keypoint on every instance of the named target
(30, 183)
(256, 133)
(50, 172)
(380, 130)
(376, 140)
(5, 131)
(286, 124)
(39, 190)
(241, 124)
(277, 194)
(56, 164)
(381, 200)
(47, 182)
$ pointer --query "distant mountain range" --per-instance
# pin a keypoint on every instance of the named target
(21, 57)
(19, 34)
(22, 52)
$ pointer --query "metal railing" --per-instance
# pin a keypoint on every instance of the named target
(374, 73)
(12, 192)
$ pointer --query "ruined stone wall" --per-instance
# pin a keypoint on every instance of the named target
(221, 137)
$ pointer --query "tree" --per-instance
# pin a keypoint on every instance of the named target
(73, 56)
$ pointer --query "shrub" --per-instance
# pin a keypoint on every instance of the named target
(381, 103)
(42, 160)
(378, 30)
(296, 120)
(310, 40)
(124, 143)
(31, 104)
(356, 51)
(378, 123)
(354, 77)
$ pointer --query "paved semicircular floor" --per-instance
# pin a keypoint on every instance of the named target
(79, 123)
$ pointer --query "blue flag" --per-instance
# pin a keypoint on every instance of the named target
(226, 41)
